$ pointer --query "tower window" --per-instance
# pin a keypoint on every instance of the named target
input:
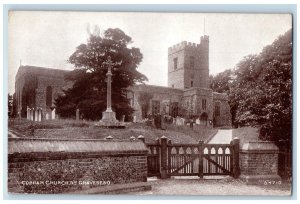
(203, 104)
(192, 83)
(175, 61)
(192, 62)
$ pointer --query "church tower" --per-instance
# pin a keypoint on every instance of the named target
(188, 64)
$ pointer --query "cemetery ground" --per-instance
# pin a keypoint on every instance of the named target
(72, 129)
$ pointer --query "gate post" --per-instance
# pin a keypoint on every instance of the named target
(236, 157)
(164, 157)
(201, 142)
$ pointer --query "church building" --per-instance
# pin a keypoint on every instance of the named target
(187, 95)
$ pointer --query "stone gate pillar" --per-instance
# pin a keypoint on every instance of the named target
(259, 162)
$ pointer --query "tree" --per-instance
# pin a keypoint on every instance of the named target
(88, 92)
(144, 101)
(221, 82)
(262, 90)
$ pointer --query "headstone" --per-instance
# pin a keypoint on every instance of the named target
(31, 113)
(198, 121)
(77, 114)
(39, 114)
(123, 118)
(27, 116)
(134, 118)
(47, 116)
(157, 121)
(36, 115)
(191, 123)
(53, 114)
(178, 121)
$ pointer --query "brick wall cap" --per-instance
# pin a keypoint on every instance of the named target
(259, 146)
(46, 145)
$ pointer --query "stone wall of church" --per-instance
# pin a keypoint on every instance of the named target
(193, 102)
(224, 119)
(36, 80)
(43, 82)
(163, 95)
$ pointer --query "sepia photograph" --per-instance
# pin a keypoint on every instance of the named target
(150, 103)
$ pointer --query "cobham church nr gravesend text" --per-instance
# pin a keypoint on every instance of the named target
(188, 93)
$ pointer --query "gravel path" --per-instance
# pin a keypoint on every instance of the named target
(222, 137)
(227, 186)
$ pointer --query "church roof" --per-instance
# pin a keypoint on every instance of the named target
(34, 70)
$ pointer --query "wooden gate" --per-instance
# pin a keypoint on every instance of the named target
(166, 159)
(153, 159)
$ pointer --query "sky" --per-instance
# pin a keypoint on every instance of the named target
(48, 38)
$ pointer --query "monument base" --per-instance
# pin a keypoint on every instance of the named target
(109, 120)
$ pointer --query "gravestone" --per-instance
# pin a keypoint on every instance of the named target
(77, 114)
(123, 118)
(39, 114)
(47, 116)
(157, 121)
(28, 114)
(31, 114)
(178, 121)
(53, 114)
(36, 115)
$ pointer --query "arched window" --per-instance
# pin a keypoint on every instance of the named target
(49, 96)
(217, 108)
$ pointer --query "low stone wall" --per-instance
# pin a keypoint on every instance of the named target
(259, 163)
(60, 166)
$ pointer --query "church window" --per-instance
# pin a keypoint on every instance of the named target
(203, 104)
(155, 107)
(49, 96)
(192, 62)
(175, 60)
(174, 109)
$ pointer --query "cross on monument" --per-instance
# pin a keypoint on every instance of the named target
(108, 116)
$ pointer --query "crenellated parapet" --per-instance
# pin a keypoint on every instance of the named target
(183, 45)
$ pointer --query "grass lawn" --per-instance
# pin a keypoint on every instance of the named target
(246, 134)
(87, 130)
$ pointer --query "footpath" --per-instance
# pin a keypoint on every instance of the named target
(222, 137)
